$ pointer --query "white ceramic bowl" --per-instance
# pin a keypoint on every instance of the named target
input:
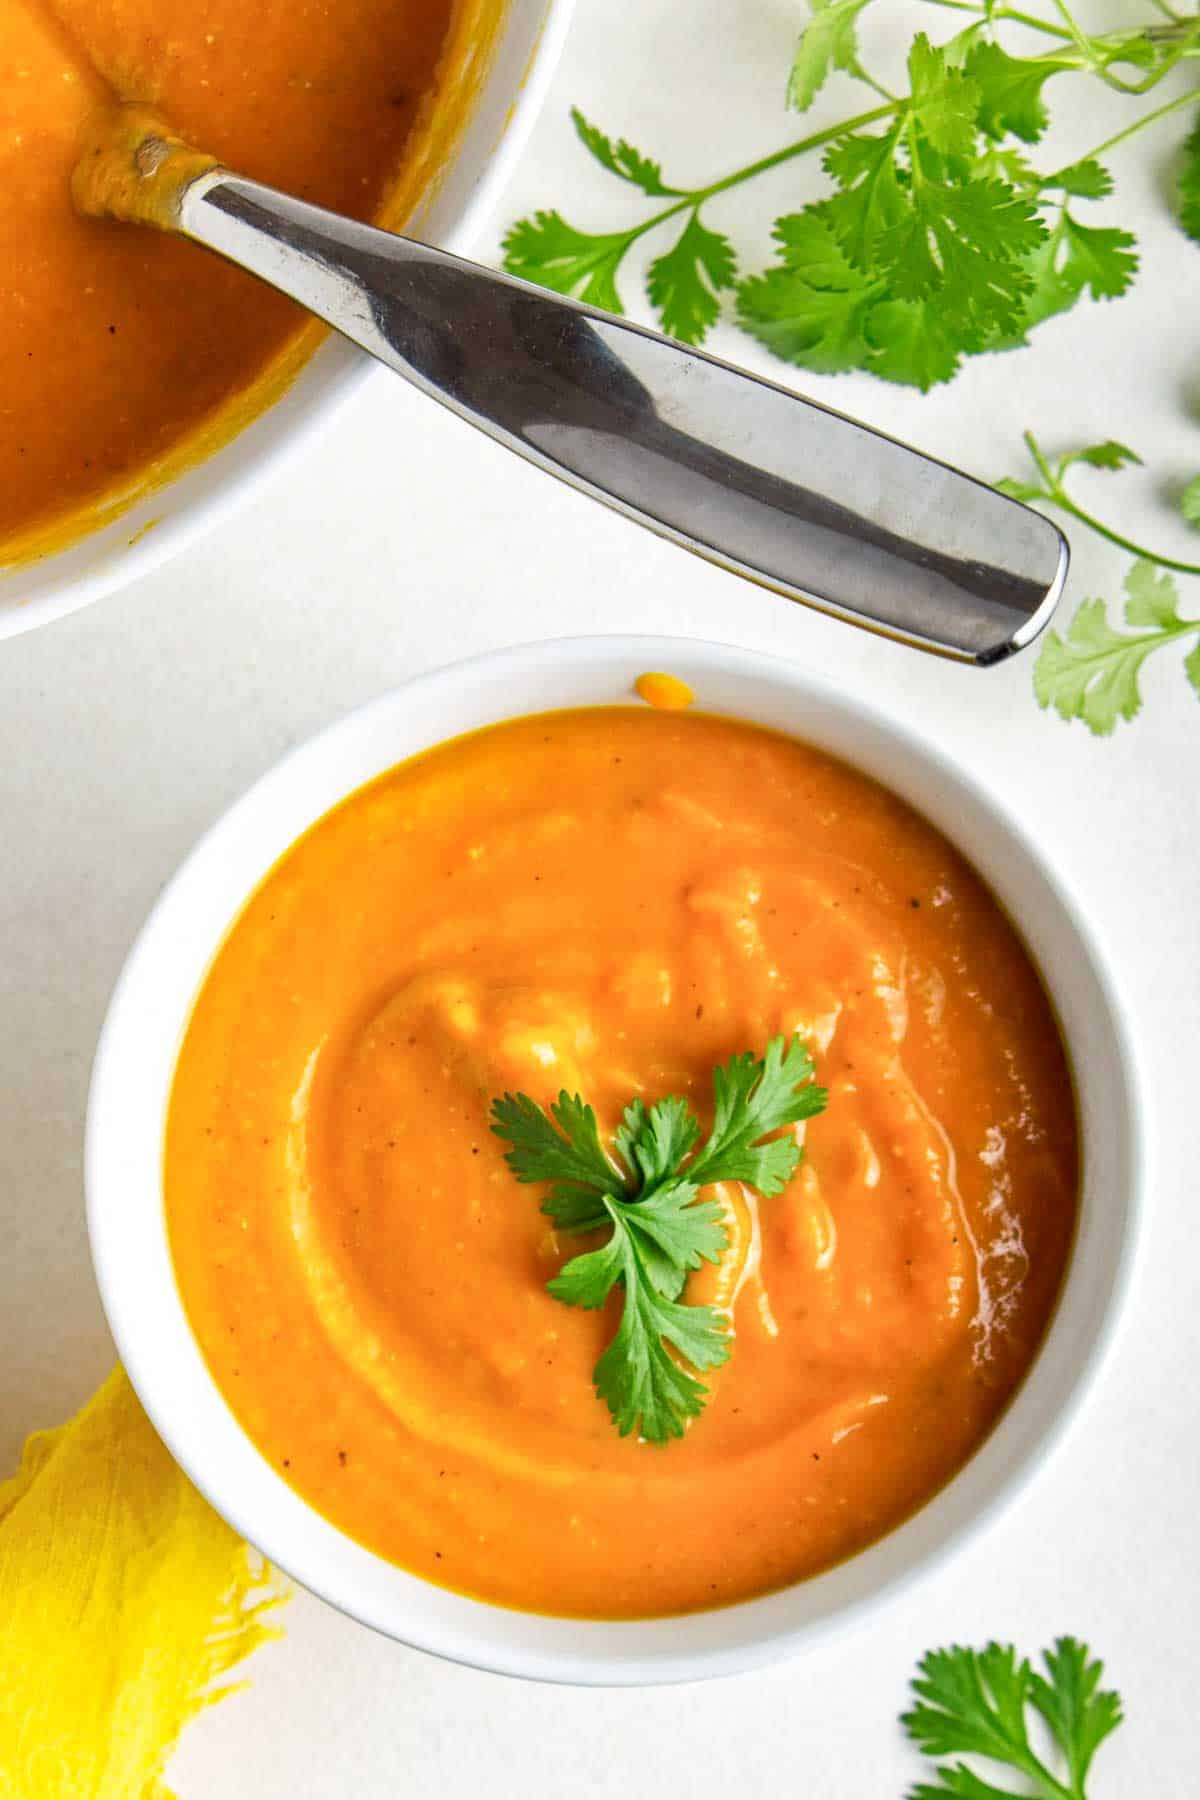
(171, 517)
(136, 1058)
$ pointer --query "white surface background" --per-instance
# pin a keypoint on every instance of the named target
(404, 540)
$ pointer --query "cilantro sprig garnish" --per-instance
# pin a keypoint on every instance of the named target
(978, 1702)
(644, 1189)
(937, 239)
(1092, 673)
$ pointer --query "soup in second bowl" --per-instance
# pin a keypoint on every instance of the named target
(803, 1345)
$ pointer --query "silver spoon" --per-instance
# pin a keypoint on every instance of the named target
(797, 497)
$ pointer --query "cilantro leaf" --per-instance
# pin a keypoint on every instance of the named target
(871, 200)
(1189, 184)
(1087, 180)
(1002, 162)
(654, 1243)
(685, 283)
(622, 159)
(1191, 667)
(1072, 259)
(648, 1196)
(913, 212)
(588, 1280)
(644, 1387)
(1050, 292)
(815, 309)
(811, 308)
(911, 341)
(752, 1097)
(1092, 674)
(829, 41)
(1098, 257)
(1010, 90)
(965, 244)
(1019, 490)
(1079, 1716)
(1152, 598)
(562, 1145)
(1189, 501)
(655, 1142)
(547, 250)
(944, 101)
(1108, 455)
(675, 1233)
(976, 1703)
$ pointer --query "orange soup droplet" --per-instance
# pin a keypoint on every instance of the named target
(666, 693)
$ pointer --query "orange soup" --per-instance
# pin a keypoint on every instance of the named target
(612, 902)
(123, 353)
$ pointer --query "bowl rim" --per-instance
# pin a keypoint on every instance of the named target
(490, 674)
(126, 547)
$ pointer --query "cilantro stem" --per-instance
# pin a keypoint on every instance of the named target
(1191, 98)
(694, 198)
(1055, 492)
(773, 161)
(991, 14)
(1181, 29)
(1070, 27)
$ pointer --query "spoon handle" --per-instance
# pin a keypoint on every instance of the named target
(791, 494)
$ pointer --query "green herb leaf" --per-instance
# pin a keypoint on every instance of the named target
(670, 1224)
(655, 1142)
(815, 309)
(1087, 180)
(1019, 490)
(976, 1703)
(1108, 455)
(1098, 257)
(1191, 667)
(622, 159)
(547, 250)
(560, 1145)
(1079, 1714)
(645, 1388)
(1072, 259)
(751, 1097)
(945, 101)
(648, 1196)
(1189, 185)
(812, 308)
(1092, 675)
(685, 283)
(1152, 598)
(1010, 90)
(829, 41)
(1189, 501)
(871, 201)
(913, 342)
(912, 213)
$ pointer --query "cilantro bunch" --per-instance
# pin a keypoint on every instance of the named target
(644, 1191)
(938, 237)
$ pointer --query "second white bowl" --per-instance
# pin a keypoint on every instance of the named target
(131, 1086)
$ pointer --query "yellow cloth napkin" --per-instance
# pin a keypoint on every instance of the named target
(124, 1600)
